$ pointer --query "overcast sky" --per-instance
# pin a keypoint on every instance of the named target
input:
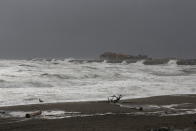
(86, 28)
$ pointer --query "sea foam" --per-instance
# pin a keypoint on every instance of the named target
(25, 81)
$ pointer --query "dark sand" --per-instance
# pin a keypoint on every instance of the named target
(120, 118)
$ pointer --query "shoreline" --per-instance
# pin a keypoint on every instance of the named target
(101, 100)
(150, 99)
(177, 111)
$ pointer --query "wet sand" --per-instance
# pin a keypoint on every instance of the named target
(176, 112)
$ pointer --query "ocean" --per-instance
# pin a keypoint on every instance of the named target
(25, 81)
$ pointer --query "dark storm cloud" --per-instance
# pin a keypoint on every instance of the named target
(86, 28)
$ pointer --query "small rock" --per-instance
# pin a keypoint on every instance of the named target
(2, 112)
(163, 129)
(160, 129)
(141, 109)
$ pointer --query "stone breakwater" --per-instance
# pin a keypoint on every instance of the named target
(144, 61)
(186, 62)
(111, 57)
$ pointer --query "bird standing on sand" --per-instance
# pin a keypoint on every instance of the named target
(40, 100)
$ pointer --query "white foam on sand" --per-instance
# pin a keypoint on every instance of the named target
(147, 110)
(48, 114)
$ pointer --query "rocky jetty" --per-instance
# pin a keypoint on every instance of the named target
(111, 57)
(121, 61)
(156, 61)
(85, 61)
(120, 56)
(186, 62)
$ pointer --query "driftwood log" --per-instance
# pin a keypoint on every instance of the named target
(33, 114)
(114, 98)
(137, 108)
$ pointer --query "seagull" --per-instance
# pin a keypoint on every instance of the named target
(40, 100)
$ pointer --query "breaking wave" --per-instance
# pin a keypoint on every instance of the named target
(54, 80)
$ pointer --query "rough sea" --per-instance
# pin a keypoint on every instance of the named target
(25, 81)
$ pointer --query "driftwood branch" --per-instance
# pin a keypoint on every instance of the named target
(33, 114)
(114, 98)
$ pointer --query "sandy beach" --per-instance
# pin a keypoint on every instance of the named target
(173, 112)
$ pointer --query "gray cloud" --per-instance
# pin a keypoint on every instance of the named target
(86, 28)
